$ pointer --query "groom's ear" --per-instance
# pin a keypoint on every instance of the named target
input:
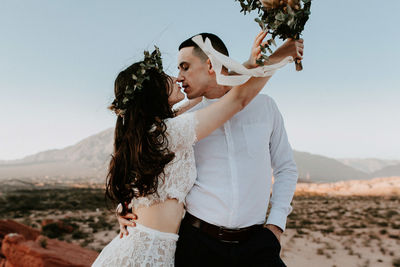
(210, 68)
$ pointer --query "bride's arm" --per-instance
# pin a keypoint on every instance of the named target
(216, 114)
(188, 105)
(276, 56)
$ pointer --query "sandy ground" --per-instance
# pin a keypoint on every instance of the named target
(316, 249)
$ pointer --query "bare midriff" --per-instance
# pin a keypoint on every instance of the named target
(164, 216)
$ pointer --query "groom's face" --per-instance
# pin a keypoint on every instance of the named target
(195, 73)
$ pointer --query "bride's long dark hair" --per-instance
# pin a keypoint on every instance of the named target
(140, 144)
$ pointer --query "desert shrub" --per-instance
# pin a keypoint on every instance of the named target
(300, 232)
(394, 236)
(396, 262)
(383, 231)
(305, 222)
(43, 242)
(345, 232)
(20, 202)
(291, 224)
(329, 229)
(390, 213)
(361, 225)
(329, 256)
(373, 236)
(395, 226)
(58, 229)
(382, 224)
(77, 234)
(52, 230)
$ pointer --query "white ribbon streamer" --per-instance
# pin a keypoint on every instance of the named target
(243, 74)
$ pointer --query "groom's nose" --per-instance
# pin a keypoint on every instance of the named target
(180, 77)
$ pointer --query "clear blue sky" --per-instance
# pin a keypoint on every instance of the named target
(58, 61)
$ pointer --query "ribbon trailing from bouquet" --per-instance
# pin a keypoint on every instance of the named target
(243, 74)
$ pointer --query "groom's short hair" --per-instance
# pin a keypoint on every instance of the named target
(216, 42)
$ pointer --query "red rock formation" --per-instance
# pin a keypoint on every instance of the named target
(10, 226)
(2, 262)
(28, 253)
(22, 247)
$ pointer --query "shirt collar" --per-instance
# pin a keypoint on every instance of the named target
(209, 100)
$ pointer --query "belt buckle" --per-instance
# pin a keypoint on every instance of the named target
(226, 241)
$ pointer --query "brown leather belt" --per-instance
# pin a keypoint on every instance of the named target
(221, 233)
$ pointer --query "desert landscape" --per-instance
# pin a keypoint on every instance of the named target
(53, 201)
(352, 223)
(343, 228)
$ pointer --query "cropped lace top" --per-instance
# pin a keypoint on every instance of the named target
(180, 173)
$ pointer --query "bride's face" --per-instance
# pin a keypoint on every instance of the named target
(176, 94)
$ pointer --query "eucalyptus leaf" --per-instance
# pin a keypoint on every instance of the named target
(280, 16)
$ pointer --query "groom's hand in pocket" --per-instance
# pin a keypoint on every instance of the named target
(277, 231)
(125, 221)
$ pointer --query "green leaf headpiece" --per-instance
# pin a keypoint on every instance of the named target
(150, 61)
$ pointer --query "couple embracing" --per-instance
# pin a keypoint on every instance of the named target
(209, 161)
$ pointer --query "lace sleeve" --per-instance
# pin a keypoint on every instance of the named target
(181, 131)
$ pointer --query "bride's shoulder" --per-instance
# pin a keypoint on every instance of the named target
(182, 128)
(181, 120)
(181, 117)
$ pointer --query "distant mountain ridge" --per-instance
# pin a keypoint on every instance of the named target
(369, 165)
(318, 168)
(89, 158)
(392, 170)
(91, 151)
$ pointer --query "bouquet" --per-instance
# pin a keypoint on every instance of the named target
(281, 18)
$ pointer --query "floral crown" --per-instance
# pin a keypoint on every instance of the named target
(150, 61)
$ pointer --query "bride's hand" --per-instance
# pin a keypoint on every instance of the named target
(256, 50)
(124, 221)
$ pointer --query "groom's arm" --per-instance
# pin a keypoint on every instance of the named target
(284, 170)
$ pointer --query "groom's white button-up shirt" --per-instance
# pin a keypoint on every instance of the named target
(234, 167)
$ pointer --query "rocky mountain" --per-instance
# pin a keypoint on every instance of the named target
(392, 170)
(369, 165)
(91, 151)
(87, 161)
(317, 168)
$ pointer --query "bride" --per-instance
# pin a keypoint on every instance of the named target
(152, 167)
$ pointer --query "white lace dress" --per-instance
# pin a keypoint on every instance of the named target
(145, 246)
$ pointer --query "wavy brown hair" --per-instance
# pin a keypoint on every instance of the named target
(140, 143)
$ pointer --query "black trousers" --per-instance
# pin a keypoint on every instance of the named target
(195, 248)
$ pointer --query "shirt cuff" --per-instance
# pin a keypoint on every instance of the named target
(278, 218)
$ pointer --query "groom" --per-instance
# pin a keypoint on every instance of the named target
(226, 209)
